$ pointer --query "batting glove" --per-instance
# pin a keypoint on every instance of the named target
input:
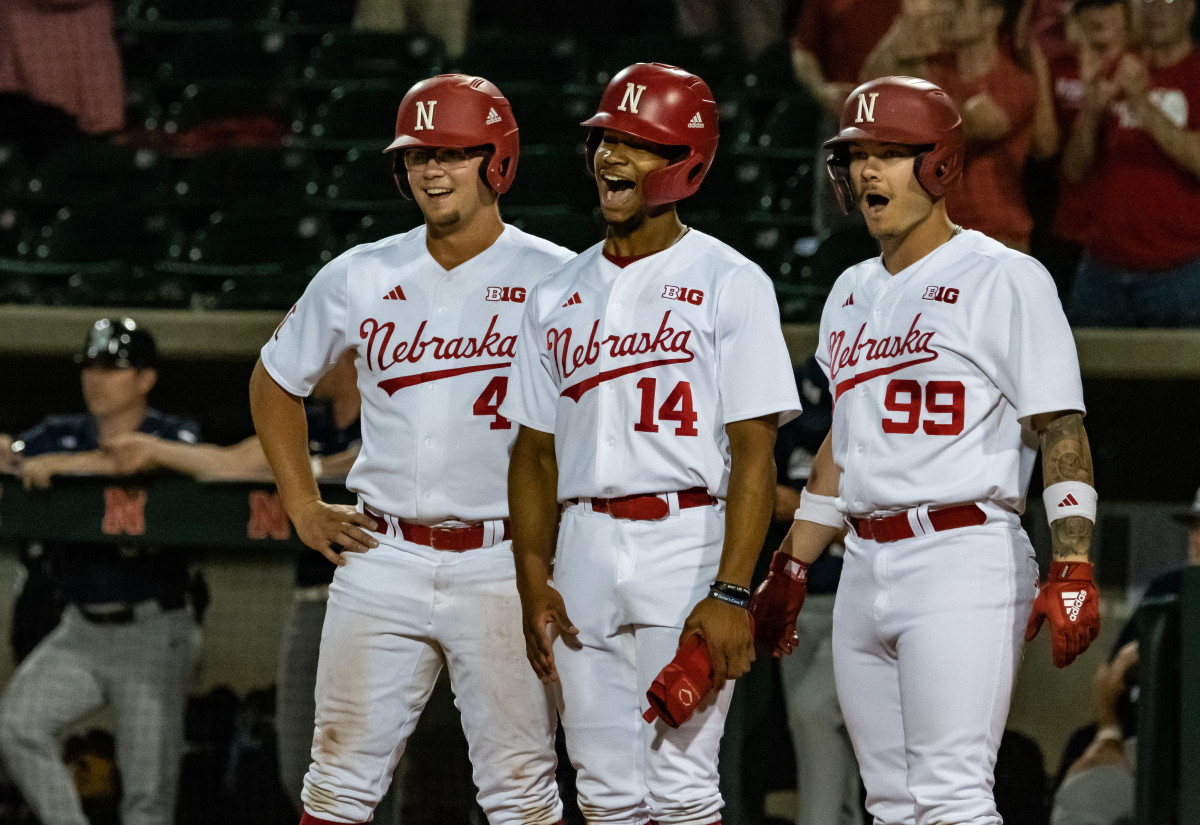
(777, 602)
(682, 685)
(1070, 600)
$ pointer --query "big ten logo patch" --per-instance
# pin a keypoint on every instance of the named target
(679, 293)
(516, 294)
(124, 511)
(945, 294)
(268, 519)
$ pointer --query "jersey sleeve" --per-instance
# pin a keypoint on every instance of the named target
(532, 394)
(754, 370)
(1032, 352)
(313, 333)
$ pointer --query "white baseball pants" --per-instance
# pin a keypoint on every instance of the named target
(396, 614)
(927, 640)
(628, 586)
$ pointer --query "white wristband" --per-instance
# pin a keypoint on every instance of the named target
(819, 510)
(316, 466)
(1070, 498)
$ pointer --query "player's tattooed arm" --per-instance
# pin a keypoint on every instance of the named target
(1066, 456)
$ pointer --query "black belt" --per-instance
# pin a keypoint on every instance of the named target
(115, 613)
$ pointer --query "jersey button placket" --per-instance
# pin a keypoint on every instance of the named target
(607, 406)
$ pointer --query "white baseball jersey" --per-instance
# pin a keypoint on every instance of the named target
(934, 370)
(637, 370)
(434, 349)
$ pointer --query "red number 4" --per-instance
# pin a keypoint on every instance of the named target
(941, 398)
(488, 403)
(677, 407)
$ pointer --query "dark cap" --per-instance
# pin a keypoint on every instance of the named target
(1191, 515)
(119, 343)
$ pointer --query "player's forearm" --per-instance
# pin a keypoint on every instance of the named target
(533, 505)
(207, 462)
(750, 497)
(807, 539)
(1067, 456)
(1180, 145)
(283, 431)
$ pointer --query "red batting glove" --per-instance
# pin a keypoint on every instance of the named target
(777, 602)
(1071, 602)
(678, 690)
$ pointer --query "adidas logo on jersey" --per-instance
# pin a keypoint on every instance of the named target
(1069, 501)
(696, 122)
(492, 117)
(397, 294)
(1073, 602)
(849, 301)
(574, 299)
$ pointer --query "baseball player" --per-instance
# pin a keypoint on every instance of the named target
(425, 571)
(950, 361)
(650, 377)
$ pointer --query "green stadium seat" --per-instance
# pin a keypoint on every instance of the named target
(237, 54)
(239, 176)
(510, 57)
(361, 182)
(211, 100)
(91, 170)
(344, 56)
(353, 115)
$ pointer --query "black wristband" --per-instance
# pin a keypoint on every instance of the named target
(730, 594)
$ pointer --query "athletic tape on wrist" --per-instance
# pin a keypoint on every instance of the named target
(1070, 498)
(819, 510)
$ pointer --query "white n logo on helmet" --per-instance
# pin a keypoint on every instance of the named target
(866, 109)
(424, 115)
(631, 97)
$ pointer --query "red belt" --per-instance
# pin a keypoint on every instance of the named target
(897, 527)
(455, 539)
(649, 506)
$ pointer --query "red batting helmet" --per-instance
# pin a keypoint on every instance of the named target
(459, 111)
(664, 105)
(903, 110)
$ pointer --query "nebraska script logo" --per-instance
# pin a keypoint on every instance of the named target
(569, 357)
(914, 343)
(383, 354)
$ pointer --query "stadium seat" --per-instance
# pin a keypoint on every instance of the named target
(310, 16)
(377, 226)
(237, 54)
(790, 131)
(189, 15)
(576, 230)
(93, 170)
(214, 100)
(361, 182)
(249, 257)
(550, 178)
(709, 59)
(510, 57)
(842, 249)
(344, 56)
(12, 170)
(350, 116)
(239, 176)
(551, 114)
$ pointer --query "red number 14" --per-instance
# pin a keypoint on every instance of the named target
(677, 407)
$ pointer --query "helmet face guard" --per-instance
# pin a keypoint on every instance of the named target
(902, 110)
(458, 111)
(665, 105)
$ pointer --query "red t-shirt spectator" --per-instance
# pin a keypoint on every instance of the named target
(1150, 205)
(990, 197)
(841, 33)
(1073, 212)
(62, 53)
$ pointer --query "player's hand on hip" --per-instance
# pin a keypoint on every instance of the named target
(331, 529)
(729, 633)
(777, 602)
(1070, 601)
(545, 615)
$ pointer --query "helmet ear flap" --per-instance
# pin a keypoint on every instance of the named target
(838, 167)
(400, 174)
